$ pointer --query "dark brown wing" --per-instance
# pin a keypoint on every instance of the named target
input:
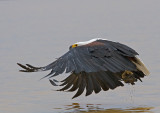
(106, 56)
(95, 81)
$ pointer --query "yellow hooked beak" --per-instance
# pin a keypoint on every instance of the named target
(74, 45)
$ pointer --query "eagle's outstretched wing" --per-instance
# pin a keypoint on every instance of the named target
(95, 66)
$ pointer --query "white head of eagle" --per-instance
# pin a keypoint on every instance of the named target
(85, 42)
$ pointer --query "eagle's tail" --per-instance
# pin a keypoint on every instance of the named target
(140, 65)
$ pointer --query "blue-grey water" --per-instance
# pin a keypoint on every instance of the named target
(39, 31)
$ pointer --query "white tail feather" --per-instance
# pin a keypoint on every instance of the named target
(140, 66)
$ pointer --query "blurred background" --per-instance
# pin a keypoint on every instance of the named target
(39, 31)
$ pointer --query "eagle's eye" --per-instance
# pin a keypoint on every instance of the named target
(74, 45)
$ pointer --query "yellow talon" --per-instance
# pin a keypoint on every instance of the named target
(129, 72)
(128, 77)
(126, 73)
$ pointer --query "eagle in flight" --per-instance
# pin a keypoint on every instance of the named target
(94, 65)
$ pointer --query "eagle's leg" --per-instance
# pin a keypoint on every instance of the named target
(128, 77)
(126, 73)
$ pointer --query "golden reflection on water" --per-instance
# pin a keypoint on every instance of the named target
(96, 108)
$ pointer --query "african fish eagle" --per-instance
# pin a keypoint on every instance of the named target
(94, 65)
